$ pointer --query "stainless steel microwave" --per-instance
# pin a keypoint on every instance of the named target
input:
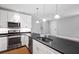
(13, 25)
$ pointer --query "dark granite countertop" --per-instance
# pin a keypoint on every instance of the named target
(62, 45)
(48, 44)
(17, 33)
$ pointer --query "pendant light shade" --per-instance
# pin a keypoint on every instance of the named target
(44, 20)
(57, 16)
(37, 22)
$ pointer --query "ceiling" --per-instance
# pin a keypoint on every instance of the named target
(47, 10)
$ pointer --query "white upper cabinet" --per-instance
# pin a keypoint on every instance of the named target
(3, 19)
(10, 16)
(13, 17)
(29, 21)
(25, 21)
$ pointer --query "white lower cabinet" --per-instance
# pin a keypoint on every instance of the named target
(24, 40)
(39, 48)
(3, 43)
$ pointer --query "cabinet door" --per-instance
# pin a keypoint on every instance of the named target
(13, 17)
(24, 40)
(29, 21)
(52, 51)
(3, 19)
(3, 43)
(46, 50)
(39, 48)
(35, 47)
(25, 21)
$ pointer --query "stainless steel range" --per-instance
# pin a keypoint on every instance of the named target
(14, 39)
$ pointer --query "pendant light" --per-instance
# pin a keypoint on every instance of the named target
(44, 19)
(57, 16)
(37, 16)
(37, 21)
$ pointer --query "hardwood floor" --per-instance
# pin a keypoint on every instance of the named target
(22, 50)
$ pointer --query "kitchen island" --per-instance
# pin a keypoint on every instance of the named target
(62, 44)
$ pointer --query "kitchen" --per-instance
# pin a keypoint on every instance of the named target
(14, 26)
(39, 28)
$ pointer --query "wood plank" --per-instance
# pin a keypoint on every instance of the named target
(22, 50)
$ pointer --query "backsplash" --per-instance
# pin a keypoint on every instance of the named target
(3, 30)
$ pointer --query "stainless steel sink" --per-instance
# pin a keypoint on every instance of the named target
(45, 39)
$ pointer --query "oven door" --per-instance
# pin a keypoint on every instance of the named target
(14, 40)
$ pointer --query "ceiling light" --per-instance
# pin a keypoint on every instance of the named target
(57, 16)
(37, 21)
(44, 20)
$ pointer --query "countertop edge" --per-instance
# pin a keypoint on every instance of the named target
(6, 34)
(49, 46)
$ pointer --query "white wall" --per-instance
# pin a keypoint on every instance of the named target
(53, 27)
(36, 28)
(68, 26)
